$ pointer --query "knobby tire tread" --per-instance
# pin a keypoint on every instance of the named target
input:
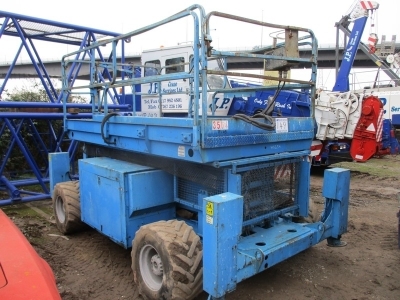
(69, 192)
(185, 251)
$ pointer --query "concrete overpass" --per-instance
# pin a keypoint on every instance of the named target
(32, 29)
(326, 60)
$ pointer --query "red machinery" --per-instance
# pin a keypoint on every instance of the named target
(24, 275)
(367, 139)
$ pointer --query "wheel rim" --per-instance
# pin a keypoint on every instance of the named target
(151, 267)
(59, 207)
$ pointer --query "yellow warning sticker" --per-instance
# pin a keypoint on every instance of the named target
(210, 208)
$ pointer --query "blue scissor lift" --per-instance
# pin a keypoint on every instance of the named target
(205, 201)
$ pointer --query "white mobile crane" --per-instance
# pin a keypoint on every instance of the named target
(349, 122)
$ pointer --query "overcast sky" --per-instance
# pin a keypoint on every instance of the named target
(124, 16)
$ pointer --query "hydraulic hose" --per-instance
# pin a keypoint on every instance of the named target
(265, 114)
(106, 118)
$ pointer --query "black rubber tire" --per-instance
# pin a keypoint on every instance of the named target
(67, 207)
(179, 249)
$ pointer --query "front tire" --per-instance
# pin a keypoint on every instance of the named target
(167, 261)
(67, 208)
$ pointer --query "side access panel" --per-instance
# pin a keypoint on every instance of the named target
(118, 197)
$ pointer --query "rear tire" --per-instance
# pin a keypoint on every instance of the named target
(167, 261)
(67, 207)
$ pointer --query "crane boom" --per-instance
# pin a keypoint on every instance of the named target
(360, 16)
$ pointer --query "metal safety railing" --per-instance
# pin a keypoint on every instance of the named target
(111, 78)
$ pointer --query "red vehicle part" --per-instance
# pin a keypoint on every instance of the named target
(24, 275)
(367, 139)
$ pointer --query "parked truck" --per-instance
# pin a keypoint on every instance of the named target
(204, 200)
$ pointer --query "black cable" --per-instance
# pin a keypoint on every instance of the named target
(271, 104)
(265, 114)
(106, 118)
(257, 123)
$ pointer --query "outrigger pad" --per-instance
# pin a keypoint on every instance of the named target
(333, 242)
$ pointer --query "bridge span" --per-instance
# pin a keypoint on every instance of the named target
(326, 60)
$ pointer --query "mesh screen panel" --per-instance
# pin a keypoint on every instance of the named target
(264, 188)
(268, 189)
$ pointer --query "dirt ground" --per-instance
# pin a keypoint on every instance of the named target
(90, 266)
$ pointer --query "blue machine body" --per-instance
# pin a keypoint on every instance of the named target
(396, 120)
(118, 197)
(242, 183)
(389, 140)
(288, 103)
(181, 140)
(232, 258)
